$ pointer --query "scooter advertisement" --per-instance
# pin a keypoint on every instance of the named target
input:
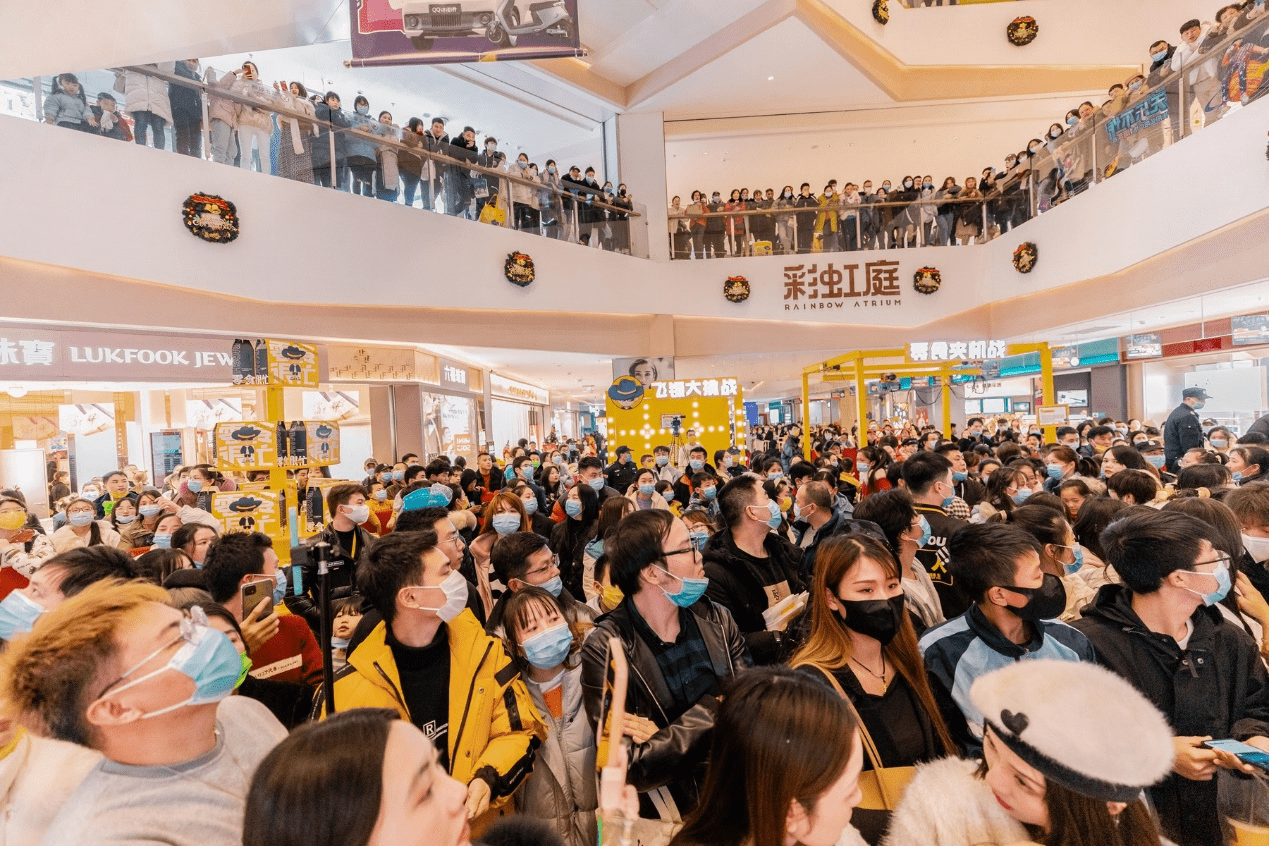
(404, 32)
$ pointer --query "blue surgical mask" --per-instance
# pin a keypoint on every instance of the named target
(774, 508)
(1077, 562)
(81, 518)
(663, 460)
(340, 642)
(699, 537)
(1221, 573)
(381, 495)
(208, 657)
(1219, 443)
(398, 475)
(648, 490)
(959, 476)
(531, 506)
(775, 475)
(1072, 120)
(1054, 471)
(149, 511)
(926, 533)
(18, 613)
(690, 591)
(1160, 56)
(696, 464)
(1156, 461)
(505, 524)
(573, 507)
(710, 492)
(668, 496)
(362, 110)
(161, 542)
(1022, 495)
(596, 483)
(547, 650)
(1237, 476)
(279, 589)
(1199, 405)
(862, 469)
(553, 585)
(194, 485)
(125, 519)
(947, 501)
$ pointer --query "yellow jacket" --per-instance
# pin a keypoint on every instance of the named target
(494, 729)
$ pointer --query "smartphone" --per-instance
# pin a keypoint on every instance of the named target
(256, 593)
(1246, 753)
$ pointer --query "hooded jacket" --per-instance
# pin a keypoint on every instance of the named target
(1217, 686)
(737, 583)
(674, 757)
(562, 789)
(494, 728)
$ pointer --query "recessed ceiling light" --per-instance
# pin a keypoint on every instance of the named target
(770, 78)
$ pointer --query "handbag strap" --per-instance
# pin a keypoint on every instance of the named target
(870, 748)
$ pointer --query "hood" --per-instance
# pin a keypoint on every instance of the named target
(1113, 607)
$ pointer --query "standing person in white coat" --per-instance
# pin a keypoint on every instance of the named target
(561, 790)
(147, 101)
(254, 124)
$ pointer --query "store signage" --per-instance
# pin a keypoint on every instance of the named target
(50, 354)
(696, 388)
(501, 386)
(815, 286)
(1249, 329)
(453, 374)
(1149, 345)
(956, 350)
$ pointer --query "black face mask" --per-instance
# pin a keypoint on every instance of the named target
(1046, 602)
(879, 619)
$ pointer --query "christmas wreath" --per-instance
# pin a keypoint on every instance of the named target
(211, 218)
(1025, 257)
(519, 269)
(1022, 31)
(881, 11)
(736, 289)
(927, 280)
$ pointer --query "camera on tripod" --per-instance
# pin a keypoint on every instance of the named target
(676, 425)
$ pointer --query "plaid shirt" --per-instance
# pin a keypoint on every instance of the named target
(685, 664)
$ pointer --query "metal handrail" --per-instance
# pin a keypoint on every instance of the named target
(399, 146)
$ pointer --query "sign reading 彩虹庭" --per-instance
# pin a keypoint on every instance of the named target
(827, 285)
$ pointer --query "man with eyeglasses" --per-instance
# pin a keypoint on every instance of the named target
(119, 670)
(682, 649)
(1161, 630)
(523, 559)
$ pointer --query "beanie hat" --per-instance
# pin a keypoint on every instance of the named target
(1035, 708)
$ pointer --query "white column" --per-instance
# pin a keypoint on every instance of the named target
(641, 152)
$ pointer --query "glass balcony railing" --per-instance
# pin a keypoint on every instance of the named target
(1224, 69)
(920, 4)
(279, 130)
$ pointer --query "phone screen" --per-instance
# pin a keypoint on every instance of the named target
(1246, 753)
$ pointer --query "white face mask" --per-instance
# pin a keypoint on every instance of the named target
(455, 588)
(1257, 548)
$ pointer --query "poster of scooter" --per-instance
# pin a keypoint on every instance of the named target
(404, 32)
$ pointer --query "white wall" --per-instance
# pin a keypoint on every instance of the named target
(376, 253)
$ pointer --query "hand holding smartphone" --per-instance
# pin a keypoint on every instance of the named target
(1246, 754)
(257, 593)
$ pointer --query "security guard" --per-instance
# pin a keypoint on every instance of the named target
(1182, 431)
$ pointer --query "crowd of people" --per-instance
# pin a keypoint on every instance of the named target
(1217, 67)
(867, 606)
(286, 131)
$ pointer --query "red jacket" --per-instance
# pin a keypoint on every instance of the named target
(291, 655)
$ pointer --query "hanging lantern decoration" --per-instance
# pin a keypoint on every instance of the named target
(1025, 257)
(211, 218)
(881, 11)
(519, 269)
(736, 289)
(927, 280)
(1022, 31)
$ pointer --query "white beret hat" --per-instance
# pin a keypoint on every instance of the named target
(1080, 725)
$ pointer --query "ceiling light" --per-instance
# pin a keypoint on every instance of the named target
(16, 391)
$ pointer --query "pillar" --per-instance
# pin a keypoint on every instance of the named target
(641, 154)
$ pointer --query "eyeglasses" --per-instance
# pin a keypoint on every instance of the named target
(1222, 559)
(553, 565)
(692, 549)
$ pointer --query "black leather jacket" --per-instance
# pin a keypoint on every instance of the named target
(342, 579)
(675, 756)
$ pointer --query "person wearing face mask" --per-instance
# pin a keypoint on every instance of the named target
(785, 224)
(905, 532)
(1012, 617)
(683, 651)
(388, 173)
(752, 569)
(361, 149)
(805, 219)
(147, 101)
(410, 164)
(118, 670)
(22, 549)
(862, 641)
(486, 185)
(814, 517)
(715, 234)
(525, 196)
(291, 653)
(1183, 431)
(1160, 631)
(83, 528)
(431, 661)
(521, 560)
(348, 544)
(254, 125)
(1061, 555)
(545, 646)
(928, 477)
